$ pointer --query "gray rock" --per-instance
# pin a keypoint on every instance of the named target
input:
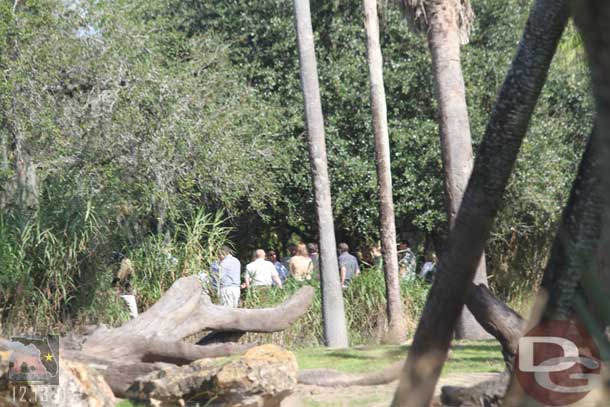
(262, 377)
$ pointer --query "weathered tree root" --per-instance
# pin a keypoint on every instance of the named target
(488, 393)
(155, 339)
(334, 378)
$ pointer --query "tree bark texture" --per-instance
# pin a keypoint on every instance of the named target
(592, 20)
(576, 239)
(4, 167)
(155, 338)
(579, 259)
(396, 323)
(492, 168)
(498, 319)
(574, 250)
(26, 182)
(456, 143)
(335, 328)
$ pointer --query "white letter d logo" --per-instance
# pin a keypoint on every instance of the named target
(526, 354)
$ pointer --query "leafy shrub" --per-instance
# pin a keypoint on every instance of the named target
(365, 310)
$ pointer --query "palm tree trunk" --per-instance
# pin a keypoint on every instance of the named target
(4, 167)
(396, 324)
(575, 281)
(492, 168)
(456, 144)
(335, 329)
(574, 251)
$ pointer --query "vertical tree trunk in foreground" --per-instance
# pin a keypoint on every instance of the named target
(492, 168)
(456, 144)
(573, 253)
(396, 324)
(335, 329)
(575, 281)
(576, 240)
(26, 182)
(592, 19)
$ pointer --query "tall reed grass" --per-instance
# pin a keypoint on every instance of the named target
(365, 310)
(57, 264)
(191, 250)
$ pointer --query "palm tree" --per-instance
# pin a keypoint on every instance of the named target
(396, 324)
(496, 157)
(335, 328)
(447, 24)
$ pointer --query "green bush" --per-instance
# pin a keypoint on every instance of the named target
(62, 260)
(158, 262)
(54, 265)
(365, 310)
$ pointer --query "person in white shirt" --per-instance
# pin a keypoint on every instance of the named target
(261, 273)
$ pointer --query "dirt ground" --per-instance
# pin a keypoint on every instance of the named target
(368, 396)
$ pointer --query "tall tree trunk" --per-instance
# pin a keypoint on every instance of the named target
(574, 251)
(456, 145)
(578, 270)
(576, 239)
(4, 167)
(591, 17)
(335, 328)
(396, 323)
(492, 168)
(26, 182)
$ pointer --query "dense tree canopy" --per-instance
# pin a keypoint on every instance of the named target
(138, 114)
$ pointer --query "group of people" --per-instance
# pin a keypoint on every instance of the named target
(408, 264)
(302, 264)
(267, 270)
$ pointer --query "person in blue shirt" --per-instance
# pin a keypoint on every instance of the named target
(282, 271)
(348, 265)
(229, 278)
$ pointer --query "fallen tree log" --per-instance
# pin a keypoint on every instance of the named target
(488, 393)
(157, 334)
(155, 339)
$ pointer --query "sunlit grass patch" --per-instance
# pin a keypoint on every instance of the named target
(466, 357)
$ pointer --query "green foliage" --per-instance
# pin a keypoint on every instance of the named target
(158, 262)
(137, 135)
(143, 118)
(364, 310)
(544, 171)
(63, 267)
(56, 258)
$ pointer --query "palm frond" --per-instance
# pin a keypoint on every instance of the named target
(417, 13)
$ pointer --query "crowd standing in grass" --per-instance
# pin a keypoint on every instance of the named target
(302, 264)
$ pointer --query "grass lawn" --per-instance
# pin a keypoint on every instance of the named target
(467, 357)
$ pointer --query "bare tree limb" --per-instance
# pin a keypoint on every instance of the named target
(493, 166)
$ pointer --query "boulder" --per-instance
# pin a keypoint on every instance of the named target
(79, 386)
(262, 377)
